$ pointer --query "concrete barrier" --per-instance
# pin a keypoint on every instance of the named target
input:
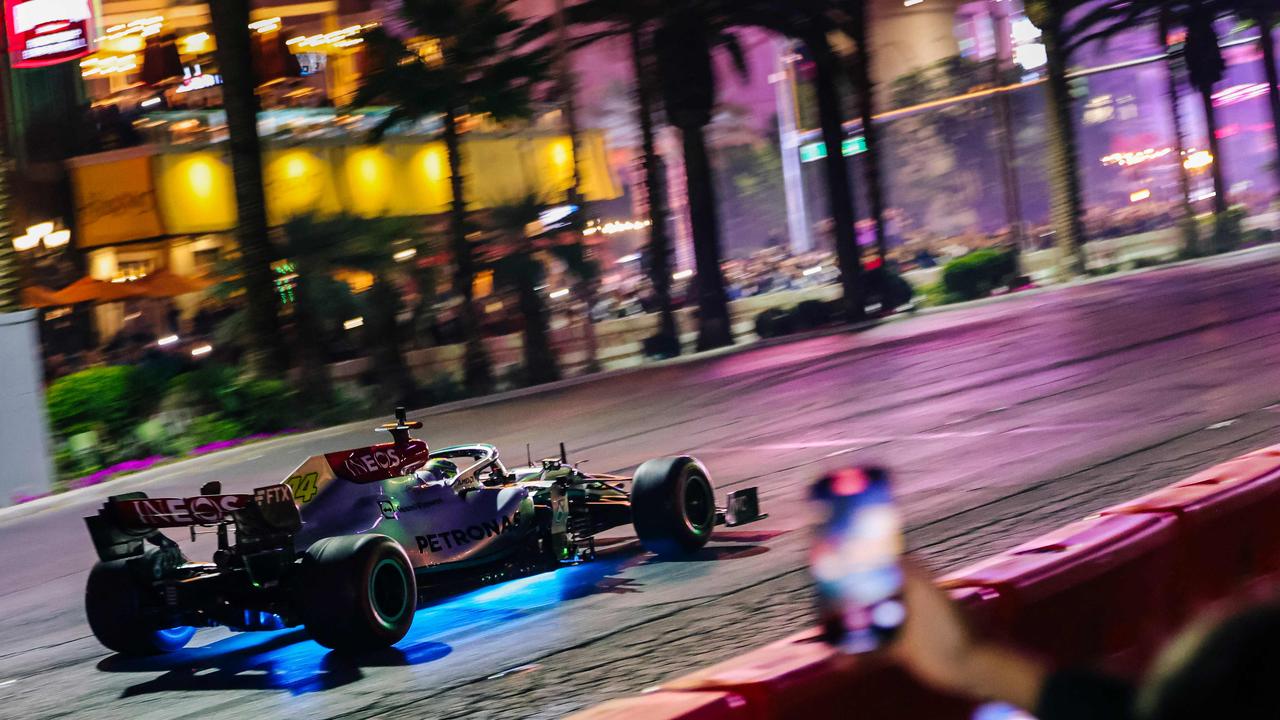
(24, 432)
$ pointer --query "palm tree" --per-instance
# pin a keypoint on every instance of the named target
(860, 72)
(812, 22)
(1263, 13)
(517, 254)
(658, 255)
(320, 247)
(683, 43)
(1205, 68)
(515, 259)
(839, 184)
(1173, 64)
(634, 20)
(470, 66)
(9, 294)
(230, 21)
(1067, 205)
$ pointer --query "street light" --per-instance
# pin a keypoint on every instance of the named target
(23, 243)
(42, 233)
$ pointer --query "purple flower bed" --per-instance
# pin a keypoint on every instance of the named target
(23, 497)
(214, 447)
(225, 444)
(132, 466)
(128, 466)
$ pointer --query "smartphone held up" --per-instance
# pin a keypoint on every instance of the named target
(856, 559)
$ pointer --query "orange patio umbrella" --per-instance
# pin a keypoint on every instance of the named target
(39, 296)
(164, 284)
(88, 289)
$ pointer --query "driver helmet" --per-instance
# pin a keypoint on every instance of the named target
(437, 469)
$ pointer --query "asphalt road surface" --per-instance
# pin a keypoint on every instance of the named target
(1000, 420)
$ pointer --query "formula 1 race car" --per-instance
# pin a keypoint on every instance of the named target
(339, 546)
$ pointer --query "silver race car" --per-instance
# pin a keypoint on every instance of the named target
(341, 545)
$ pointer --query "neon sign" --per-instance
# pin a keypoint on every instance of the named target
(47, 32)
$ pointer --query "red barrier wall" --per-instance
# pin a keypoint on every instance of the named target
(1228, 522)
(1082, 594)
(702, 705)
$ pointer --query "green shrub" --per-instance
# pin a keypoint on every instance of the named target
(257, 405)
(774, 322)
(207, 429)
(975, 275)
(444, 388)
(934, 294)
(105, 399)
(1189, 231)
(343, 407)
(1223, 234)
(810, 314)
(888, 288)
(153, 438)
(261, 405)
(1257, 236)
(1148, 262)
(80, 454)
(201, 390)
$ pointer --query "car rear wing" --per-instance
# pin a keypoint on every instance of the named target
(127, 522)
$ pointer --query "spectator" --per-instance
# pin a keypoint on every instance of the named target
(1218, 669)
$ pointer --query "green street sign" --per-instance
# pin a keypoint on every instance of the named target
(812, 151)
(854, 146)
(817, 151)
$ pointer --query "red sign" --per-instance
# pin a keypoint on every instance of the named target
(379, 462)
(179, 512)
(47, 32)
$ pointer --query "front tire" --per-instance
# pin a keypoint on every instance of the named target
(673, 506)
(357, 592)
(115, 604)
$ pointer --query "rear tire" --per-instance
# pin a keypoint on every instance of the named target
(357, 592)
(114, 602)
(673, 506)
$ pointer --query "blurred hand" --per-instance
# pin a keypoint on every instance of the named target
(935, 644)
(938, 647)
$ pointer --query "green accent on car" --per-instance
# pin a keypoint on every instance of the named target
(383, 616)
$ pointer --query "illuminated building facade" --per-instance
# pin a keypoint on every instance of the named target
(155, 189)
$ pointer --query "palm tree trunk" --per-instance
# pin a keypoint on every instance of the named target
(230, 20)
(477, 372)
(383, 334)
(1067, 206)
(1211, 130)
(1267, 42)
(1190, 228)
(714, 326)
(586, 293)
(568, 104)
(313, 374)
(659, 254)
(865, 91)
(839, 185)
(10, 295)
(539, 361)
